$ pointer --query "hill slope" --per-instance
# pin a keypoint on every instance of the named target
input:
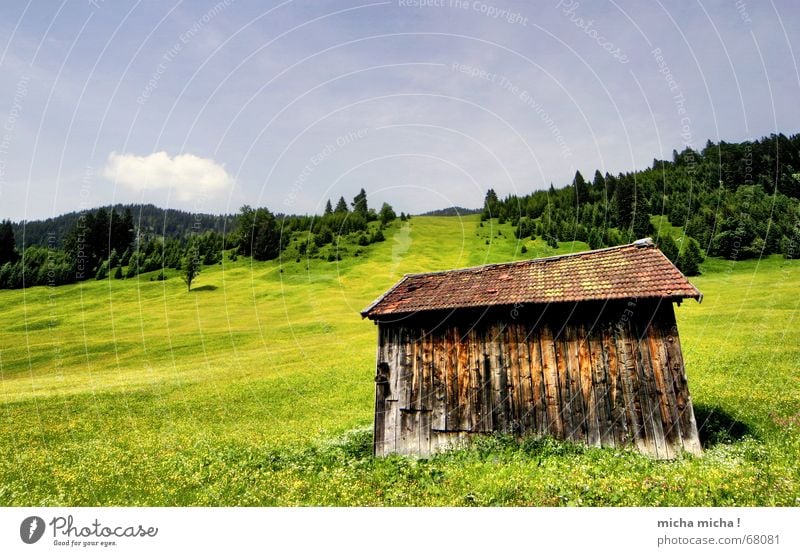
(132, 392)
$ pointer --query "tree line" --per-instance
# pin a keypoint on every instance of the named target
(107, 244)
(149, 220)
(264, 236)
(733, 200)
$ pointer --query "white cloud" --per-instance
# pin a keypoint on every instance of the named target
(187, 176)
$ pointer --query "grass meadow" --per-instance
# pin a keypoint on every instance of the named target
(256, 388)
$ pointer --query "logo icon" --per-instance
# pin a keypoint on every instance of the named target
(31, 529)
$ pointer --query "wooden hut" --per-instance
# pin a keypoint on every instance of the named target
(582, 347)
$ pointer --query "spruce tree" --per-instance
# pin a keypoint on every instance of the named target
(490, 205)
(668, 246)
(641, 226)
(8, 250)
(191, 267)
(581, 188)
(360, 203)
(690, 258)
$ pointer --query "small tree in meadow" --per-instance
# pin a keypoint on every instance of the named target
(191, 268)
(386, 214)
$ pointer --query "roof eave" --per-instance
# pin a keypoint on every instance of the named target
(365, 313)
(697, 296)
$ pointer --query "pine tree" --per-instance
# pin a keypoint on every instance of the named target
(191, 267)
(595, 239)
(690, 258)
(8, 250)
(102, 271)
(599, 181)
(328, 208)
(360, 203)
(600, 191)
(341, 206)
(267, 236)
(490, 205)
(121, 230)
(79, 246)
(668, 246)
(581, 188)
(641, 226)
(245, 228)
(99, 236)
(624, 200)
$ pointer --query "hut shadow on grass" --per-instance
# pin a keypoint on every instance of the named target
(716, 426)
(206, 288)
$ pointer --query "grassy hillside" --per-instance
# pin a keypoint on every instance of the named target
(257, 388)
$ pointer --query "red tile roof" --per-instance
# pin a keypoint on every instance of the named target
(638, 270)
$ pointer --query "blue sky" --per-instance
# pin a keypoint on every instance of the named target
(206, 106)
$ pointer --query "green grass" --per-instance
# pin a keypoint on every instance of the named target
(256, 388)
(662, 227)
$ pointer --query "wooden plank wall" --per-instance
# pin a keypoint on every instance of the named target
(602, 375)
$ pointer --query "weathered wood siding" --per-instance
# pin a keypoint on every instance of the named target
(602, 374)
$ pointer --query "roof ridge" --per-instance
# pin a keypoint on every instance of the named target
(635, 244)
